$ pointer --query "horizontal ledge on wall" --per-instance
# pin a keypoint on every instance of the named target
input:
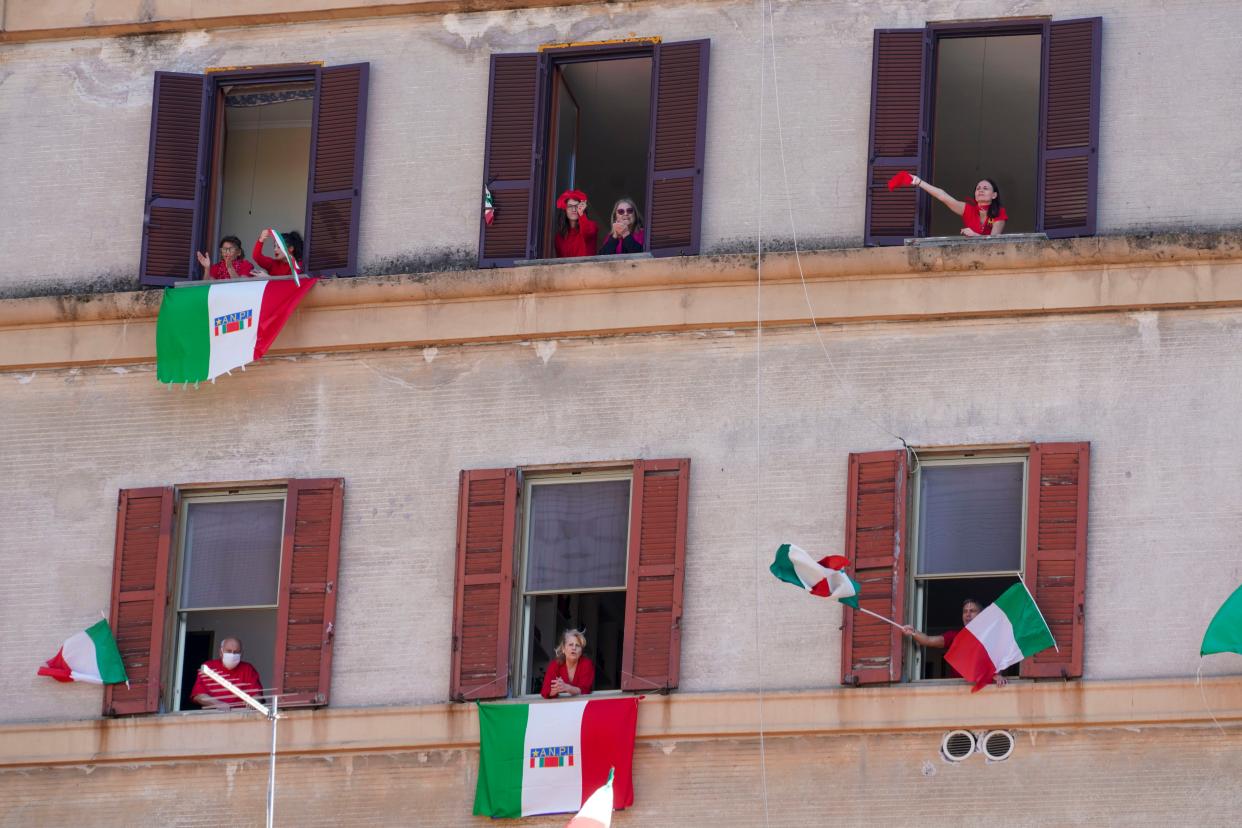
(603, 298)
(895, 709)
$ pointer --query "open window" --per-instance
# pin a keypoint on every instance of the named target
(977, 521)
(625, 119)
(1015, 101)
(200, 565)
(602, 549)
(234, 152)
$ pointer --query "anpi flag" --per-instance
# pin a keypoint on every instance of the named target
(597, 810)
(1002, 635)
(206, 330)
(548, 757)
(88, 656)
(794, 565)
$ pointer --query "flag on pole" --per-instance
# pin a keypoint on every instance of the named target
(549, 757)
(825, 577)
(91, 656)
(597, 810)
(489, 207)
(1224, 633)
(1002, 635)
(206, 330)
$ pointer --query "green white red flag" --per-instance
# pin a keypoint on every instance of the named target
(549, 757)
(1224, 633)
(91, 655)
(597, 810)
(824, 577)
(1002, 635)
(207, 330)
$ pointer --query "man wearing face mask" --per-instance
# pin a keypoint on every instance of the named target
(208, 693)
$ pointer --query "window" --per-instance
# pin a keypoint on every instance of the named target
(600, 548)
(195, 566)
(233, 152)
(615, 119)
(1018, 101)
(978, 520)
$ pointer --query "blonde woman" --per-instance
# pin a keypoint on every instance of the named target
(571, 673)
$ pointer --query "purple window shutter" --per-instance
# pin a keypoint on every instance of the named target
(678, 137)
(334, 187)
(1071, 128)
(511, 158)
(176, 175)
(898, 136)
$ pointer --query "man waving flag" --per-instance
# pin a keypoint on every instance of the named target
(1002, 635)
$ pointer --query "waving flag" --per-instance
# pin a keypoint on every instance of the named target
(1002, 635)
(597, 810)
(91, 656)
(1224, 633)
(825, 577)
(206, 330)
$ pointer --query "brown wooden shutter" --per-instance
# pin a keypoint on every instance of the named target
(310, 555)
(334, 190)
(176, 174)
(1071, 128)
(875, 544)
(483, 598)
(898, 137)
(510, 158)
(144, 524)
(678, 140)
(1056, 551)
(651, 652)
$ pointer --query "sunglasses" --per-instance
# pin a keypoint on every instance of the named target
(625, 211)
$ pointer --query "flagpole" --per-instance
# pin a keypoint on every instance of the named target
(1022, 581)
(881, 617)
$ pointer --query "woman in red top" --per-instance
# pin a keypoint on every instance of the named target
(575, 233)
(278, 266)
(231, 264)
(570, 673)
(982, 216)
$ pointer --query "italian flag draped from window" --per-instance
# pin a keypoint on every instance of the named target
(207, 330)
(549, 757)
(1002, 635)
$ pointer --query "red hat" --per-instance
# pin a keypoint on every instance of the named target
(567, 195)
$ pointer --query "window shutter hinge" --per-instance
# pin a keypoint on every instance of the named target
(329, 631)
(331, 585)
(454, 642)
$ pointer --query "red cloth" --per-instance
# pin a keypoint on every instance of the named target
(220, 271)
(274, 267)
(948, 642)
(584, 676)
(970, 218)
(578, 241)
(244, 676)
(901, 179)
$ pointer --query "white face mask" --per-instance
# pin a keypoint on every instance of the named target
(231, 660)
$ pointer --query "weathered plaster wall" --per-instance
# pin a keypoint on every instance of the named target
(398, 425)
(74, 150)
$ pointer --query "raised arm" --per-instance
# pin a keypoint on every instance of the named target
(940, 195)
(925, 640)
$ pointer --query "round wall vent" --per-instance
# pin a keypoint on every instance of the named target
(997, 745)
(957, 745)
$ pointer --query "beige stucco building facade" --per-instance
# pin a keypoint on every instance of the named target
(765, 378)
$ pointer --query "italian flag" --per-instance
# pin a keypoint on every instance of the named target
(825, 577)
(549, 757)
(91, 656)
(1002, 635)
(597, 810)
(204, 331)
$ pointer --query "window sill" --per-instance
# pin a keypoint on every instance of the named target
(948, 241)
(615, 257)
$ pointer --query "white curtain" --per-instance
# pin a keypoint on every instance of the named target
(970, 519)
(578, 534)
(232, 554)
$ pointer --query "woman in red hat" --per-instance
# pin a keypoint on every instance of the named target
(981, 216)
(576, 235)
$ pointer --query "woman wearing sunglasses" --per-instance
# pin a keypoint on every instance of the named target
(627, 229)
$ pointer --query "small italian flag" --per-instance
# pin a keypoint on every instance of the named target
(204, 331)
(825, 577)
(1002, 635)
(597, 810)
(91, 656)
(549, 757)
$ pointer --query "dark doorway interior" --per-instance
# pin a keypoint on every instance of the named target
(601, 614)
(986, 124)
(200, 646)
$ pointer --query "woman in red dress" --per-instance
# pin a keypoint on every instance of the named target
(570, 673)
(576, 234)
(981, 216)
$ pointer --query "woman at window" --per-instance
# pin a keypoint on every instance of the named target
(571, 673)
(627, 229)
(231, 265)
(279, 266)
(984, 215)
(576, 235)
